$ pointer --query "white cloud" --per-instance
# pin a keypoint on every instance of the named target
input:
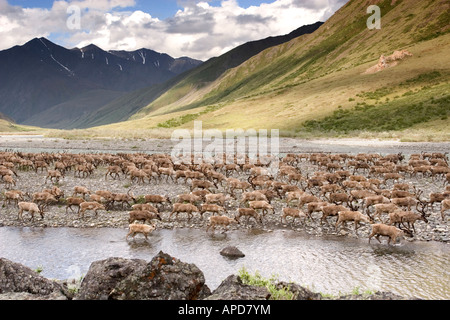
(101, 5)
(200, 30)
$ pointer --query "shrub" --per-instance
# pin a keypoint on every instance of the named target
(270, 284)
(384, 117)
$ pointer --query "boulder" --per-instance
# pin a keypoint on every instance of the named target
(232, 252)
(104, 275)
(300, 293)
(232, 288)
(18, 282)
(163, 278)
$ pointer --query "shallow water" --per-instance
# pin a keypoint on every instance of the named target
(328, 265)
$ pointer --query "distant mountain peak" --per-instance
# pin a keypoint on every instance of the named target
(38, 42)
(48, 85)
(91, 47)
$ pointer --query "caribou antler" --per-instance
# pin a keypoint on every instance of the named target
(418, 193)
(350, 203)
(423, 203)
(406, 230)
(423, 209)
(130, 194)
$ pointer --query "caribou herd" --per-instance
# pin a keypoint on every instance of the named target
(374, 189)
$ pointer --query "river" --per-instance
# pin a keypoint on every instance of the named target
(328, 265)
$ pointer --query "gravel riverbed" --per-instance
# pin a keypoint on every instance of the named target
(29, 181)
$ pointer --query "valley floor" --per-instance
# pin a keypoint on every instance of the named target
(36, 143)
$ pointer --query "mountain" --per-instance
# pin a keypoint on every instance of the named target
(44, 84)
(212, 69)
(126, 106)
(317, 82)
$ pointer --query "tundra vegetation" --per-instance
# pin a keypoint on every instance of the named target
(257, 279)
(291, 86)
(278, 292)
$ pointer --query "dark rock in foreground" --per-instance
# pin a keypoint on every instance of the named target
(163, 278)
(300, 293)
(103, 277)
(18, 282)
(232, 288)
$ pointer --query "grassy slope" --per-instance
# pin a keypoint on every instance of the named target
(194, 84)
(9, 127)
(310, 77)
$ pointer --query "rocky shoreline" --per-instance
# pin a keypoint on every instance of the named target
(163, 278)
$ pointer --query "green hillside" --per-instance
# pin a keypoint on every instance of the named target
(10, 127)
(316, 83)
(192, 84)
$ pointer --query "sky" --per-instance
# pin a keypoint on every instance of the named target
(197, 29)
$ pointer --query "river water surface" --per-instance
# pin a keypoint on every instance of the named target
(327, 265)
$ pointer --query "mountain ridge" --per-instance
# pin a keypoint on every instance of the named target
(66, 98)
(126, 106)
(313, 84)
(217, 66)
(40, 75)
(312, 76)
